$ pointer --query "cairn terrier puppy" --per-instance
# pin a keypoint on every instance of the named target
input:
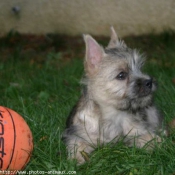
(116, 101)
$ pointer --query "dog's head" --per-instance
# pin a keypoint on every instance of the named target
(114, 76)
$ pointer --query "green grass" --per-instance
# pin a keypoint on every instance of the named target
(40, 80)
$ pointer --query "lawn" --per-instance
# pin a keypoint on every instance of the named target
(40, 80)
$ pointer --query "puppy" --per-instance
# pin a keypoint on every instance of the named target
(117, 101)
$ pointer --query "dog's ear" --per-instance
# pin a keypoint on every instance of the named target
(94, 55)
(114, 39)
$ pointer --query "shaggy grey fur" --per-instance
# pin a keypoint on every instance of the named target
(117, 101)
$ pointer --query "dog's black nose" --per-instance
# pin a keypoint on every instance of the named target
(148, 83)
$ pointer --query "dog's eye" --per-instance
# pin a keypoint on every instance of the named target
(122, 76)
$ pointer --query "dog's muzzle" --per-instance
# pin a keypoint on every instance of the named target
(148, 83)
(144, 87)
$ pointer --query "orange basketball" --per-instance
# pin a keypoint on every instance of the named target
(16, 142)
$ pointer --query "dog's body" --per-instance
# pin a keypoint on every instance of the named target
(116, 101)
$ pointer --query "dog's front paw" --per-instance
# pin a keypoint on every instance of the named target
(80, 152)
(81, 157)
(148, 140)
